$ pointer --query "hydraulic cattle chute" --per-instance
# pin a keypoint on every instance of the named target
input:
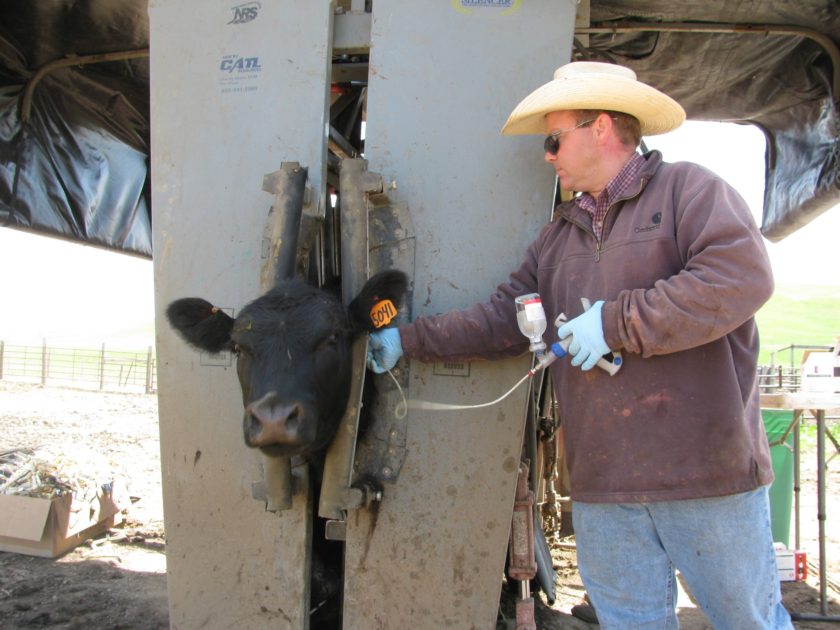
(239, 90)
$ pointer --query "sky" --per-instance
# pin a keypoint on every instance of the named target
(81, 296)
(73, 295)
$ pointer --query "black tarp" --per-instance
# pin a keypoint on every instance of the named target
(78, 168)
(780, 82)
(67, 173)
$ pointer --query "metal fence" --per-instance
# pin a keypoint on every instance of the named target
(103, 369)
(778, 378)
(108, 369)
(785, 376)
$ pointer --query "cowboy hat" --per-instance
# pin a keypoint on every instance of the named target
(596, 85)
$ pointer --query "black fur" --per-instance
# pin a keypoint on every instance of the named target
(200, 324)
(386, 285)
(294, 351)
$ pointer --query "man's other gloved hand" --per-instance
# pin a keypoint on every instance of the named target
(384, 350)
(587, 332)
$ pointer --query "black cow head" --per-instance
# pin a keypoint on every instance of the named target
(293, 355)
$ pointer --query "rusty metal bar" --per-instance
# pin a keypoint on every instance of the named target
(337, 494)
(288, 185)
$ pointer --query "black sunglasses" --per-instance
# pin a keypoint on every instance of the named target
(552, 141)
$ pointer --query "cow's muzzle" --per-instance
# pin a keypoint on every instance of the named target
(272, 421)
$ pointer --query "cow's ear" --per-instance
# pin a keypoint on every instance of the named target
(201, 324)
(378, 301)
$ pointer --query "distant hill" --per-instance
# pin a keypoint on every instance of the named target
(798, 314)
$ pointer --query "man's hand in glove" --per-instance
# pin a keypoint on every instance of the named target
(384, 350)
(587, 332)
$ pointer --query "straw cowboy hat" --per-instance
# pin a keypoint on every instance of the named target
(595, 85)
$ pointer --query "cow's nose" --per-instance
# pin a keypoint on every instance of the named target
(271, 421)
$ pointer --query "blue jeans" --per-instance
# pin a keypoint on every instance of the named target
(722, 546)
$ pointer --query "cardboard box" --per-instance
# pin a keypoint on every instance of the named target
(52, 527)
(792, 564)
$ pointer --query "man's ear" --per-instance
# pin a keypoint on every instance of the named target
(200, 324)
(378, 301)
(603, 123)
(598, 124)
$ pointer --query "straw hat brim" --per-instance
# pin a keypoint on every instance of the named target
(657, 112)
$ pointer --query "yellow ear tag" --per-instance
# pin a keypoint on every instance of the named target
(382, 313)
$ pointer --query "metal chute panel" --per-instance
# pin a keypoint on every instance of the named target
(443, 78)
(234, 95)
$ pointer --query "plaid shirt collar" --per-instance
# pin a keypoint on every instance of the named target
(617, 186)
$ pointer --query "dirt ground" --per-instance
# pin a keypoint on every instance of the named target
(118, 581)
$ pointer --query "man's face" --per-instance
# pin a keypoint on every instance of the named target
(576, 160)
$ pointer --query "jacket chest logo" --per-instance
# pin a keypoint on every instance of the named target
(655, 224)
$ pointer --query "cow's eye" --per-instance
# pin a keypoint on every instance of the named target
(330, 341)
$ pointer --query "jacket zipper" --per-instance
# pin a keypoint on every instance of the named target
(642, 181)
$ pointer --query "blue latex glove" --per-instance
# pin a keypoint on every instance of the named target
(384, 350)
(587, 332)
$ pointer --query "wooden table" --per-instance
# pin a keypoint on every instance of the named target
(816, 403)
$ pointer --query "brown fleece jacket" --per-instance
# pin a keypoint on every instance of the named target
(682, 269)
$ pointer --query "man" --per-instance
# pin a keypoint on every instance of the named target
(668, 459)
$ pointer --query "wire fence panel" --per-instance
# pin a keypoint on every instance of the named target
(103, 369)
(108, 369)
(778, 378)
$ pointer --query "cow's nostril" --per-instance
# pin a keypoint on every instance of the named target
(293, 419)
(268, 421)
